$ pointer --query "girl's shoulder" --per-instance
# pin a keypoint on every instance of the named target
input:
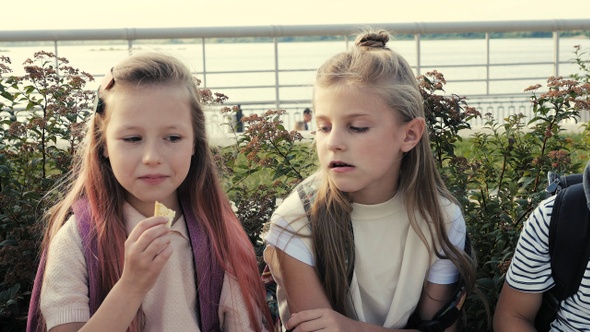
(450, 207)
(290, 208)
(453, 216)
(295, 203)
(310, 184)
(538, 223)
(68, 233)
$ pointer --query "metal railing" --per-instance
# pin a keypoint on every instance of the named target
(485, 102)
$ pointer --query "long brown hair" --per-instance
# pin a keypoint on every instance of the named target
(371, 64)
(92, 177)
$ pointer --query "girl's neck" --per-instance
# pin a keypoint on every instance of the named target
(364, 199)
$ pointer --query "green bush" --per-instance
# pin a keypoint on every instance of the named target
(42, 114)
(498, 173)
(503, 176)
(265, 164)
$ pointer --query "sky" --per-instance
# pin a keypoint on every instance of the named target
(109, 14)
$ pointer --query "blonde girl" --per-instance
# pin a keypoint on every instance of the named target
(382, 247)
(146, 142)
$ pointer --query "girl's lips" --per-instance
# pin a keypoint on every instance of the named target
(153, 179)
(340, 167)
(338, 164)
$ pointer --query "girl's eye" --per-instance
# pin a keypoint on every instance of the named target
(323, 129)
(359, 129)
(132, 139)
(174, 138)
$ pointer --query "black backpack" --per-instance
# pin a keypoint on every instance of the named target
(569, 242)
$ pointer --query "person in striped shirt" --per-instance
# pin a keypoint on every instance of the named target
(529, 276)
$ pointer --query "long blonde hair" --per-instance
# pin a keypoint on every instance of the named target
(371, 64)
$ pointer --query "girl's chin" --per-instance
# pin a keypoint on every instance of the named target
(346, 187)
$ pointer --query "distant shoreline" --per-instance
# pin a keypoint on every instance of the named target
(442, 36)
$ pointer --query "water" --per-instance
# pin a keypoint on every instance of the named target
(298, 61)
(306, 57)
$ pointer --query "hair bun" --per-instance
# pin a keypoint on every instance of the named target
(373, 39)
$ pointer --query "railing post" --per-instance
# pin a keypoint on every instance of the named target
(275, 40)
(204, 63)
(556, 53)
(418, 55)
(487, 63)
(56, 56)
(129, 46)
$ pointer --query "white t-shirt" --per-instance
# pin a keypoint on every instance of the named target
(391, 262)
(530, 271)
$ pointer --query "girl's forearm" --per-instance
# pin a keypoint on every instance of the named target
(116, 311)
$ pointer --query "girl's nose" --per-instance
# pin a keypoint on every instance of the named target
(336, 140)
(151, 154)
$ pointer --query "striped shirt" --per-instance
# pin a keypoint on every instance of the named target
(530, 271)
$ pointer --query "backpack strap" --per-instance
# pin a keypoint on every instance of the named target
(305, 198)
(569, 244)
(81, 210)
(35, 321)
(208, 271)
(569, 236)
(306, 195)
(558, 183)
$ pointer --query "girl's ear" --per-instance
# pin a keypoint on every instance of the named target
(413, 133)
(105, 152)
